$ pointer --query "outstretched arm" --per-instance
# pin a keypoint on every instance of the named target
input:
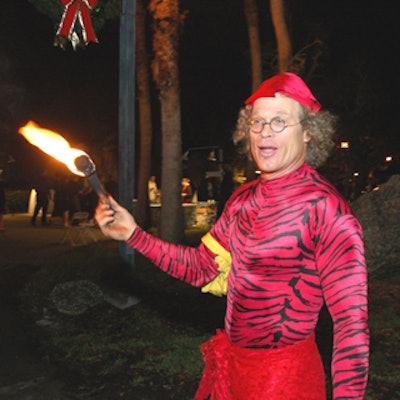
(195, 266)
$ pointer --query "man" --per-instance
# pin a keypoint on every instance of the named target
(43, 196)
(284, 245)
(152, 189)
(186, 191)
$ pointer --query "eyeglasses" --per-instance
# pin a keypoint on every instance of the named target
(277, 124)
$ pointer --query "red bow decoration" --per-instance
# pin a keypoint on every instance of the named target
(76, 10)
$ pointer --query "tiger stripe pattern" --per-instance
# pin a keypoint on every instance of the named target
(295, 245)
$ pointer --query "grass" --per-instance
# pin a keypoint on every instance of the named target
(151, 351)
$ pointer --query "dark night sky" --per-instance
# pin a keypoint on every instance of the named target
(76, 93)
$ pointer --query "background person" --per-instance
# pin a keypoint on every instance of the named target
(186, 191)
(285, 244)
(43, 194)
(152, 189)
(65, 198)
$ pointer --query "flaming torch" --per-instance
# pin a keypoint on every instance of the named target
(56, 146)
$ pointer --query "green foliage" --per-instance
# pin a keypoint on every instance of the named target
(105, 10)
(17, 201)
(384, 376)
(384, 324)
(52, 8)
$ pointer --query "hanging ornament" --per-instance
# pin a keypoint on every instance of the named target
(76, 24)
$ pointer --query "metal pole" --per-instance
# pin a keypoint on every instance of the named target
(127, 96)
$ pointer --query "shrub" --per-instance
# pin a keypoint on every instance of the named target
(17, 200)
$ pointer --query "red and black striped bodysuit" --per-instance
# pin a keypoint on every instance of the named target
(295, 244)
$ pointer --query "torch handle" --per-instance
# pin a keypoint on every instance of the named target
(98, 187)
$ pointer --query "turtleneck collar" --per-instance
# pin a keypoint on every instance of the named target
(290, 177)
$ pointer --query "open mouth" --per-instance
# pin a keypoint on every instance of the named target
(267, 151)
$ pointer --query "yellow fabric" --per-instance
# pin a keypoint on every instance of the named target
(219, 285)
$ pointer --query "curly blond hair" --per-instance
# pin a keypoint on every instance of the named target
(320, 126)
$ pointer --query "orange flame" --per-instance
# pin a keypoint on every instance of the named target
(53, 144)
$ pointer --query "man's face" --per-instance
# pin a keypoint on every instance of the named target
(277, 154)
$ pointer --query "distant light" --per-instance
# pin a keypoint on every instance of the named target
(389, 158)
(344, 145)
(356, 173)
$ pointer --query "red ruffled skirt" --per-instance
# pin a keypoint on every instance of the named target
(236, 373)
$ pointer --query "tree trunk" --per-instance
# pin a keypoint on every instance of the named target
(281, 33)
(171, 224)
(166, 26)
(251, 13)
(142, 211)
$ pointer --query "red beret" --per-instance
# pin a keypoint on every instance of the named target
(290, 85)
